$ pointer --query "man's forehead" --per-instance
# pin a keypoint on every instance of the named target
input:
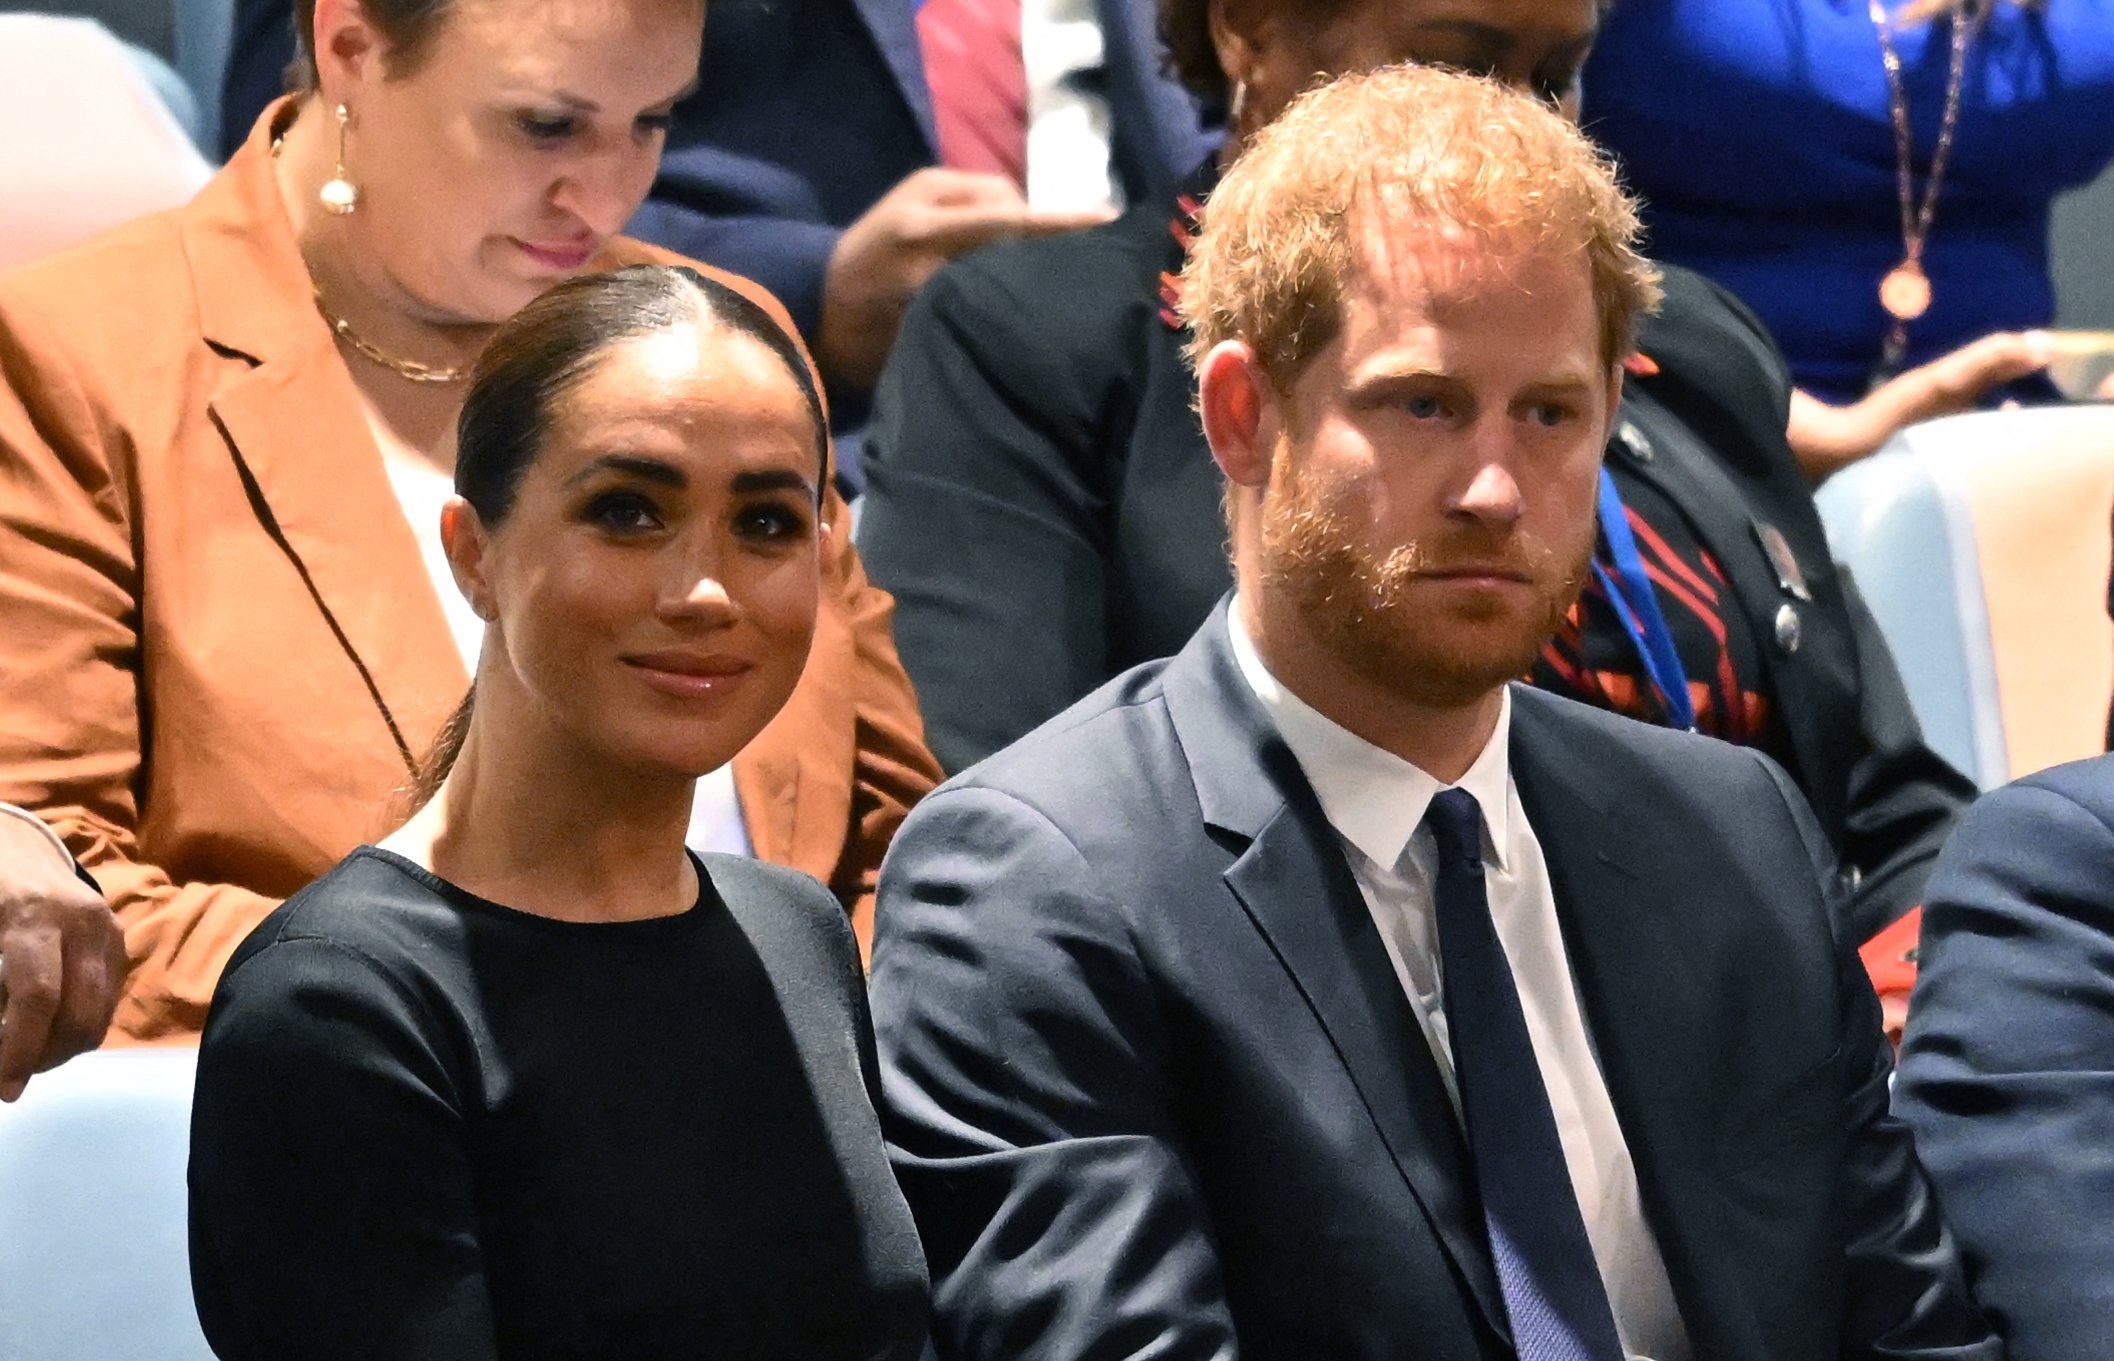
(1400, 257)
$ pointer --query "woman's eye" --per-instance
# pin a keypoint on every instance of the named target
(624, 513)
(1424, 408)
(770, 523)
(541, 128)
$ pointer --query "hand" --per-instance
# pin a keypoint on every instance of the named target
(1826, 438)
(62, 959)
(2106, 389)
(884, 258)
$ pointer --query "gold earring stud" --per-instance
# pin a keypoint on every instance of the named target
(339, 194)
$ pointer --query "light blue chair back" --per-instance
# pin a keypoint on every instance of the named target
(1982, 543)
(94, 1264)
(1907, 536)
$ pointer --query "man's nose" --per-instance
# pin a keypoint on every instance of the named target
(1493, 493)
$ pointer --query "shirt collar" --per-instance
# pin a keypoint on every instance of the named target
(1373, 798)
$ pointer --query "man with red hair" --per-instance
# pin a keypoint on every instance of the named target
(1320, 992)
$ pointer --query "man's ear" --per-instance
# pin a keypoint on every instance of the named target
(1238, 405)
(347, 47)
(463, 539)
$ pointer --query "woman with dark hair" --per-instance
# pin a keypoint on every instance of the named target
(1042, 504)
(226, 630)
(529, 1079)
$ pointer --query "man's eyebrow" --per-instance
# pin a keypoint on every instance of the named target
(635, 465)
(1563, 382)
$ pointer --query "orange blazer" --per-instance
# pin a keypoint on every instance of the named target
(219, 648)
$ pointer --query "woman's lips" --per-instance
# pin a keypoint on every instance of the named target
(562, 257)
(687, 675)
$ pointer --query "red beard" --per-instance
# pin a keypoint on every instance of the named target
(1363, 607)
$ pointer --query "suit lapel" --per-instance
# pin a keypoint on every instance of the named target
(1296, 887)
(893, 25)
(1652, 1016)
(299, 443)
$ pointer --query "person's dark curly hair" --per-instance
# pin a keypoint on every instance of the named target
(1185, 28)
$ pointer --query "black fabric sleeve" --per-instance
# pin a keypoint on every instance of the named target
(331, 1199)
(2007, 1070)
(1903, 800)
(1905, 1291)
(982, 515)
(1899, 799)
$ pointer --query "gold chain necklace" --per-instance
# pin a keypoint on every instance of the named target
(1905, 292)
(408, 369)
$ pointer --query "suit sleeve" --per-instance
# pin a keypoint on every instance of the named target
(72, 747)
(1024, 1100)
(331, 1189)
(1905, 1294)
(1903, 798)
(2007, 1071)
(982, 514)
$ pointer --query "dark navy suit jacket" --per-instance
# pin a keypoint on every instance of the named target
(1152, 1087)
(2007, 1070)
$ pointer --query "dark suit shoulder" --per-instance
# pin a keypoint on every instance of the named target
(2088, 783)
(1587, 733)
(1110, 752)
(1134, 246)
(1058, 298)
(1720, 371)
(2030, 861)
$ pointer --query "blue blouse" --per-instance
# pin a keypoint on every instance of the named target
(1760, 135)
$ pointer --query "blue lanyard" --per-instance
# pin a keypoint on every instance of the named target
(1630, 591)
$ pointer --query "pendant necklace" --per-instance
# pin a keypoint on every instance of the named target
(1905, 292)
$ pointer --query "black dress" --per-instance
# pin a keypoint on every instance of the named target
(429, 1126)
(1042, 504)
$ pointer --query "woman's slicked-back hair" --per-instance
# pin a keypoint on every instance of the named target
(408, 28)
(554, 343)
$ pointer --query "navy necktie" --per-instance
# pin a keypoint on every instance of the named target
(1552, 1287)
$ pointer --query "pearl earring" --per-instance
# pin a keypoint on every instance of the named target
(339, 194)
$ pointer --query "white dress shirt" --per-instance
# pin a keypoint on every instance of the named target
(1375, 800)
(421, 489)
(1069, 148)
